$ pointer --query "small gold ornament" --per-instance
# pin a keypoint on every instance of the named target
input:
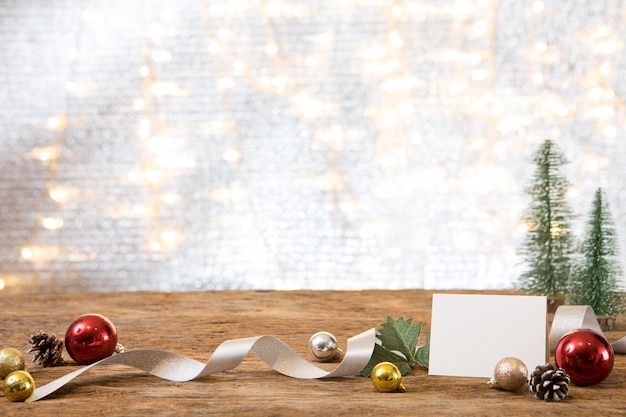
(18, 386)
(10, 360)
(510, 374)
(386, 377)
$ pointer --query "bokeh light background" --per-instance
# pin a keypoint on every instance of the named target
(281, 144)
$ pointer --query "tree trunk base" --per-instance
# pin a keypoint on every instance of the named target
(606, 323)
(554, 303)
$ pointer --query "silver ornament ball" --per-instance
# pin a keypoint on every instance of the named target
(323, 347)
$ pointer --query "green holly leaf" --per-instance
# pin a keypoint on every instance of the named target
(422, 355)
(398, 345)
(400, 336)
(381, 354)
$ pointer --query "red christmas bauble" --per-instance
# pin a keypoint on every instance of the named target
(585, 355)
(89, 338)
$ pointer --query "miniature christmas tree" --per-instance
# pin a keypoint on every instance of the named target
(547, 249)
(595, 275)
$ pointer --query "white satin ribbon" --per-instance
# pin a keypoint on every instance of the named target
(229, 354)
(567, 318)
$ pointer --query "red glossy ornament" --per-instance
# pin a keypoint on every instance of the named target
(89, 338)
(585, 355)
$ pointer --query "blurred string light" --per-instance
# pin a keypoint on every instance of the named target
(483, 93)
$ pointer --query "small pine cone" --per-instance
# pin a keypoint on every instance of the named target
(549, 383)
(49, 349)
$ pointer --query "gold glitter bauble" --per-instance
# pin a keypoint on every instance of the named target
(18, 386)
(510, 374)
(10, 360)
(386, 377)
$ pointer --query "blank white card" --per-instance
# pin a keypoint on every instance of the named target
(471, 333)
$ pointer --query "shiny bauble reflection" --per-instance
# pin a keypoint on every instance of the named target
(585, 355)
(18, 386)
(89, 338)
(323, 347)
(386, 377)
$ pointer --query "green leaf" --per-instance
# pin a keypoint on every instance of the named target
(422, 355)
(398, 345)
(383, 355)
(401, 336)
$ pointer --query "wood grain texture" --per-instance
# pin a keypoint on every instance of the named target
(194, 324)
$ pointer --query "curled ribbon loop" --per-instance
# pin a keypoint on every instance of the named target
(271, 350)
(567, 318)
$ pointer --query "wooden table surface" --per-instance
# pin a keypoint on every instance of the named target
(194, 324)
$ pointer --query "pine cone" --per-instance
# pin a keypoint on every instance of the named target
(549, 383)
(49, 349)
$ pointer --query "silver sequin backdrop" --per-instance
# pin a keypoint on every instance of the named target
(280, 144)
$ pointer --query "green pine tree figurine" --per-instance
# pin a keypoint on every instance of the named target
(595, 275)
(548, 246)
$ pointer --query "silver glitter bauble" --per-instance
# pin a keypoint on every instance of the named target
(510, 374)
